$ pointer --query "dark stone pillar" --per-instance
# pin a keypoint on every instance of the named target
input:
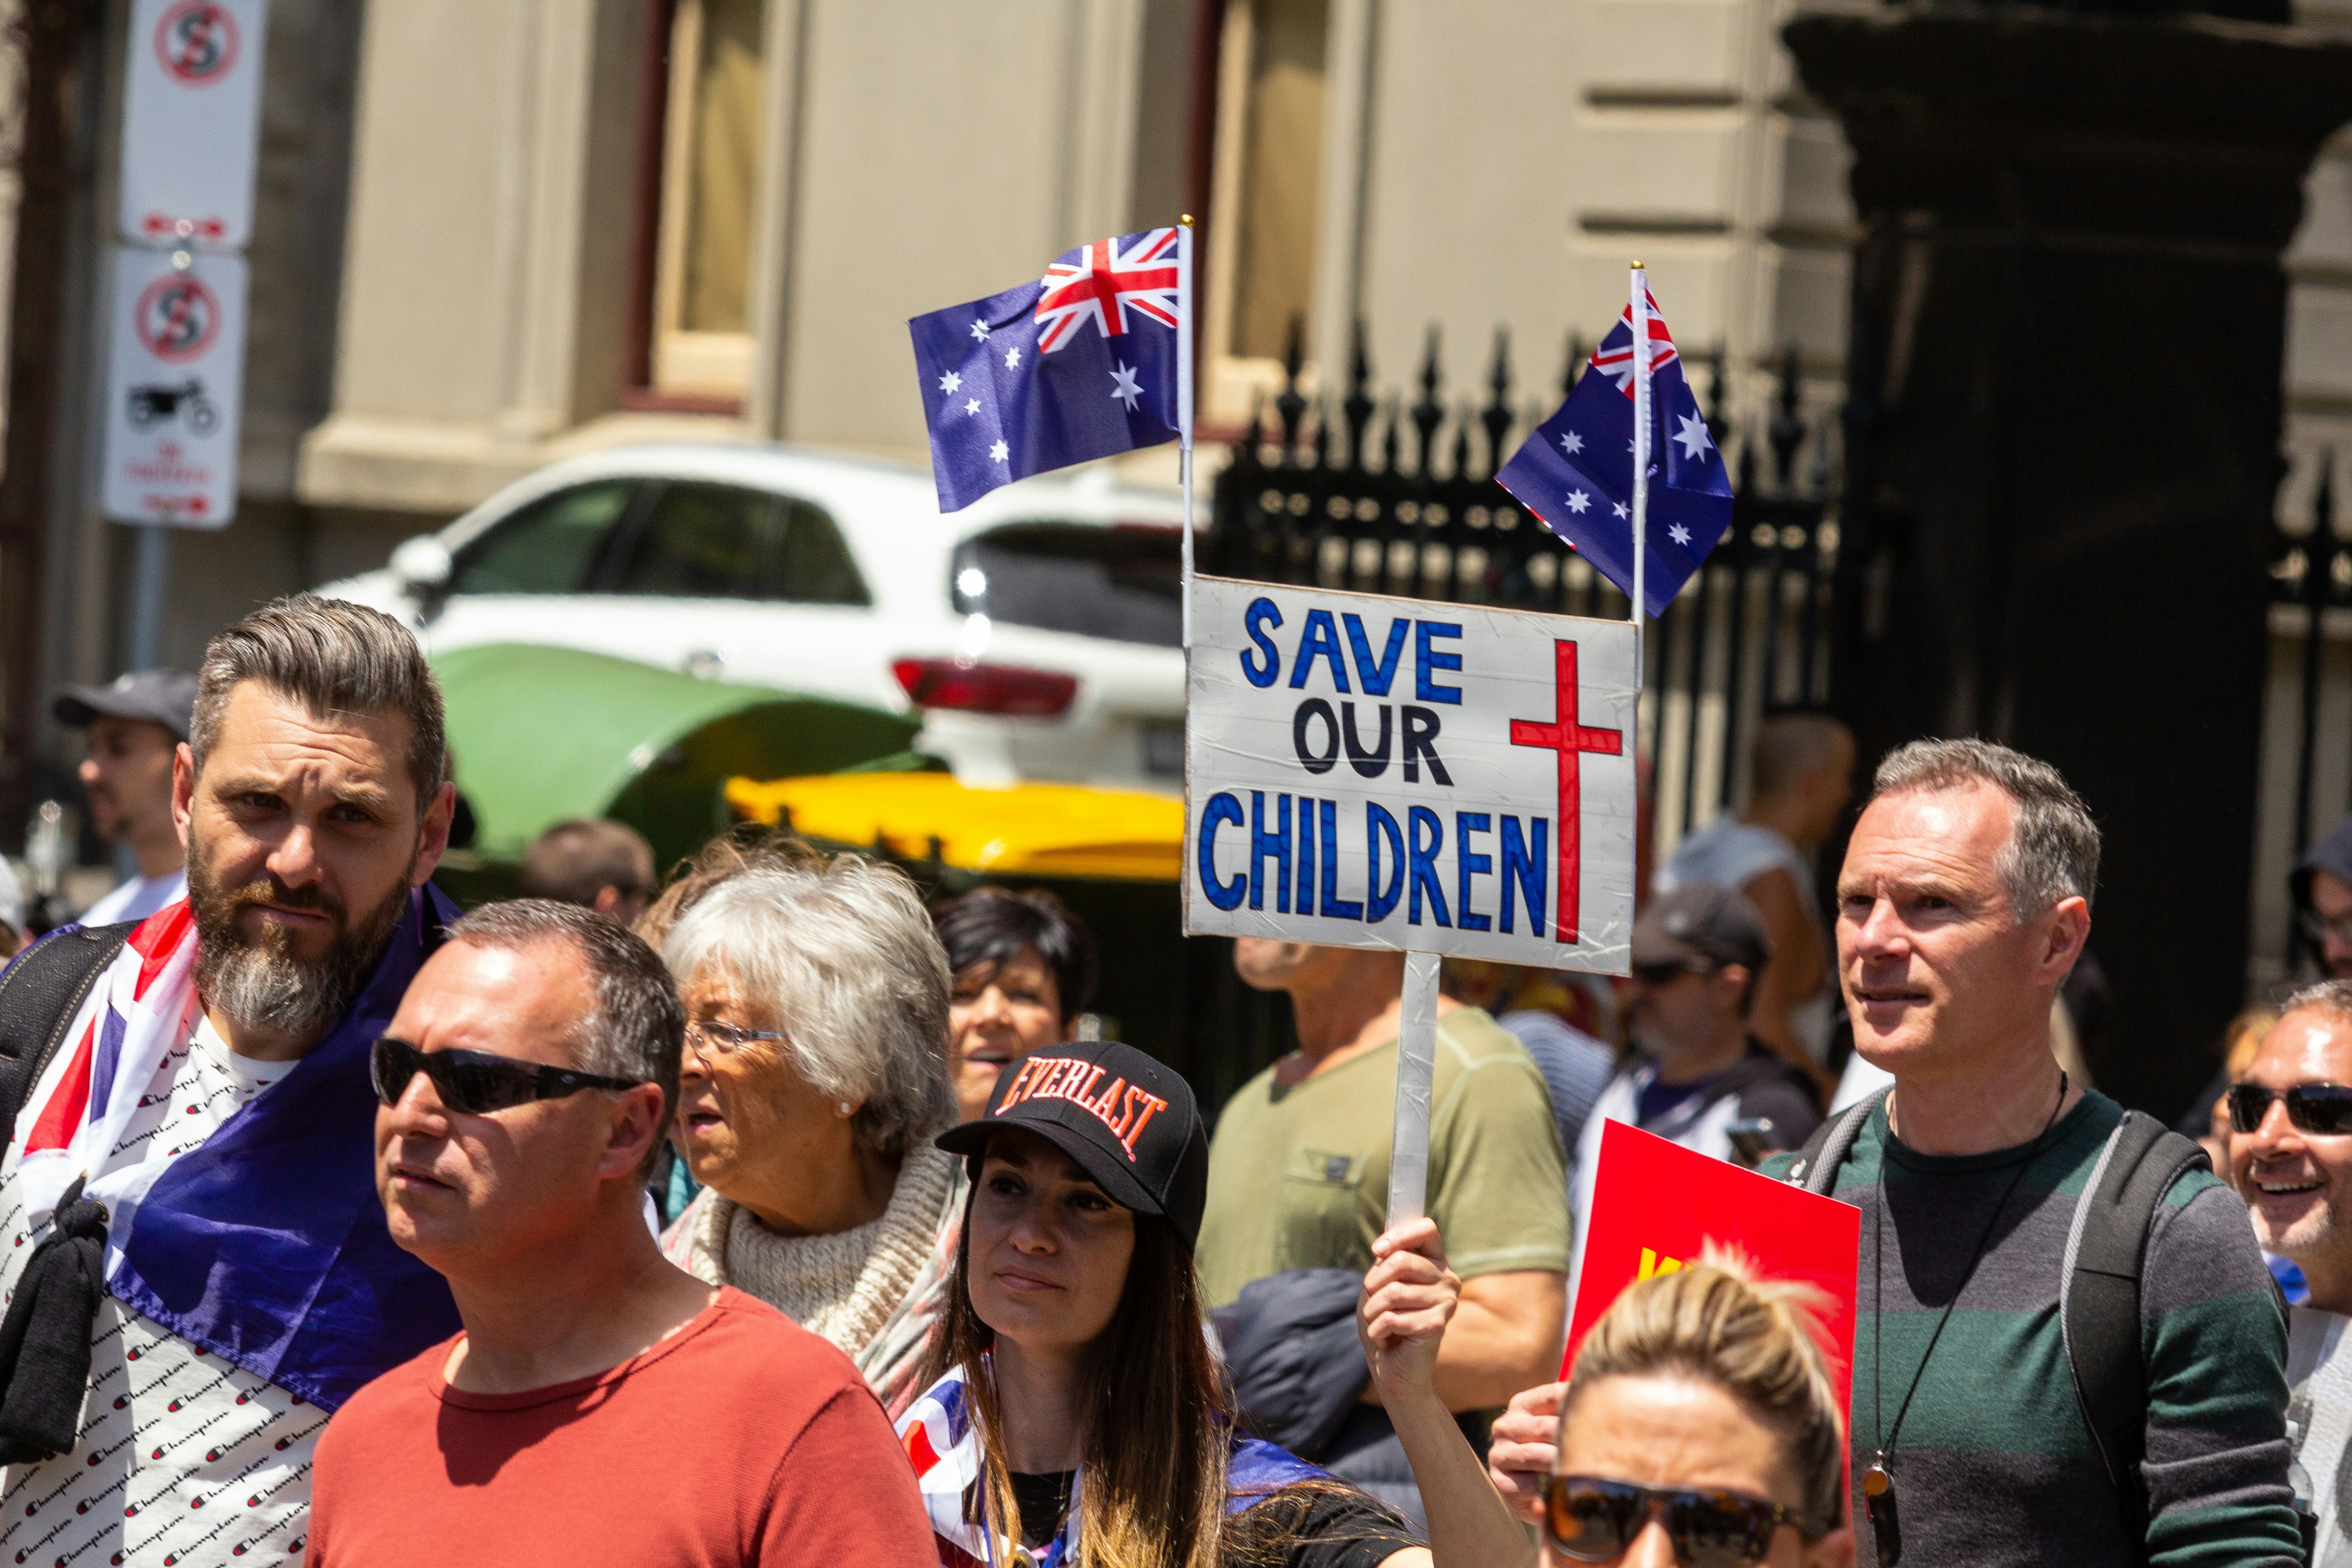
(2069, 318)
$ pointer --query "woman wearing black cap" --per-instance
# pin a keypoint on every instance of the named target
(1078, 1415)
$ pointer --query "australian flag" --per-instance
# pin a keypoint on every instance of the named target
(1080, 363)
(1576, 471)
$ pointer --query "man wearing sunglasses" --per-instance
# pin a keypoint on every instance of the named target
(2291, 1140)
(1696, 954)
(602, 1405)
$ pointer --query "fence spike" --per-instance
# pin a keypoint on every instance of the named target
(1462, 423)
(1292, 403)
(1575, 365)
(1787, 431)
(1322, 446)
(2322, 497)
(1390, 443)
(1253, 438)
(1498, 417)
(1747, 468)
(1428, 414)
(1358, 405)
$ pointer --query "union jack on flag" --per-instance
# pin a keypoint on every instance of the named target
(1615, 360)
(1105, 283)
(1016, 384)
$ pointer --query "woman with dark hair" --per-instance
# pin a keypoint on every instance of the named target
(1024, 970)
(1079, 1414)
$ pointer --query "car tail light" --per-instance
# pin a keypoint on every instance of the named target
(985, 688)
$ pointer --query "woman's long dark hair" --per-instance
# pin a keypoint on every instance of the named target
(1157, 1411)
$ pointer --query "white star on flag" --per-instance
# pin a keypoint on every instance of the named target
(1621, 510)
(1012, 356)
(972, 405)
(997, 453)
(1124, 388)
(1692, 437)
(1578, 502)
(950, 382)
(1571, 443)
(1679, 534)
(980, 329)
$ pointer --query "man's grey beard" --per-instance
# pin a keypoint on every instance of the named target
(264, 984)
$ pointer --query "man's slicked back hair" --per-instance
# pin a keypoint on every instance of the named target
(2052, 851)
(335, 658)
(2332, 997)
(636, 1027)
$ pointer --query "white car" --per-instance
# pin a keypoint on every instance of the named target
(1037, 631)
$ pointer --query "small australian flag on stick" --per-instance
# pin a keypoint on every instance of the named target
(1576, 471)
(1082, 363)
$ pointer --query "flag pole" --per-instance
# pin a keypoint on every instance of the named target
(1640, 345)
(1185, 403)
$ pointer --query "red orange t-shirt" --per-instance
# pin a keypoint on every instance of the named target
(741, 1438)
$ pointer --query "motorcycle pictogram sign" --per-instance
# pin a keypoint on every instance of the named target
(175, 384)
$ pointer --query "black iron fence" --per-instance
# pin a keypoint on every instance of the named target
(2311, 621)
(1322, 495)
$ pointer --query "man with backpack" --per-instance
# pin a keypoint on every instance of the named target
(195, 1264)
(2067, 1348)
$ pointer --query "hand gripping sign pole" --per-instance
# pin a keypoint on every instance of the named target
(1184, 402)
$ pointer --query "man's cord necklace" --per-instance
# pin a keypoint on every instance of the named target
(1876, 1483)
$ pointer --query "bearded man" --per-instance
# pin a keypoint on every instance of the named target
(197, 1267)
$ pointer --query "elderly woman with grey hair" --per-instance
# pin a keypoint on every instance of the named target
(815, 1073)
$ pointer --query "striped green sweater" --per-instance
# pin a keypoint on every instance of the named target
(1994, 1464)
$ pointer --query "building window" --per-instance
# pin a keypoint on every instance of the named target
(711, 142)
(1269, 168)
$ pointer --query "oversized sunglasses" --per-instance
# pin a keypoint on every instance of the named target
(2321, 1108)
(1589, 1519)
(474, 1082)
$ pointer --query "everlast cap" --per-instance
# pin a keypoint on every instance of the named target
(1701, 926)
(1126, 1120)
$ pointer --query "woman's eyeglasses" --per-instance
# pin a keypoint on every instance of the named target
(2321, 1108)
(1589, 1519)
(716, 1039)
(476, 1082)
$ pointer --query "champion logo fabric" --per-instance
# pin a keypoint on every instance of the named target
(183, 1459)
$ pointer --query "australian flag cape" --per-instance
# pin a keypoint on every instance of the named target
(265, 1246)
(942, 1442)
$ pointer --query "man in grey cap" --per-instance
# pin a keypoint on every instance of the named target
(1696, 954)
(133, 729)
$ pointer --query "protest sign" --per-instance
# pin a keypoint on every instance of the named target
(1372, 772)
(1657, 1205)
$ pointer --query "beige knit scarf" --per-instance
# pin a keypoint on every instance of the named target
(844, 1287)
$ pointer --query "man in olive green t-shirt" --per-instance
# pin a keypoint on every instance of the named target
(1299, 1171)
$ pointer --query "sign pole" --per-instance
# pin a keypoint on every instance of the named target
(150, 568)
(1416, 1065)
(1185, 403)
(1641, 309)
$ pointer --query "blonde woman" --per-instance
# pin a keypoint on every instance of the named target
(1699, 1427)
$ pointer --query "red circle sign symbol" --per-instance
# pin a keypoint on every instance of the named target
(177, 318)
(196, 42)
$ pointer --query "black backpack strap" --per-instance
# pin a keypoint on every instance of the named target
(2098, 1297)
(39, 995)
(1815, 1166)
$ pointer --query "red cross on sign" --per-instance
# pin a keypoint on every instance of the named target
(1569, 739)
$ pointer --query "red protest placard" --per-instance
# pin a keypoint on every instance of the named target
(1657, 1205)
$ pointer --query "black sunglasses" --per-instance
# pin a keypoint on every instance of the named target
(1587, 1520)
(474, 1082)
(2321, 1108)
